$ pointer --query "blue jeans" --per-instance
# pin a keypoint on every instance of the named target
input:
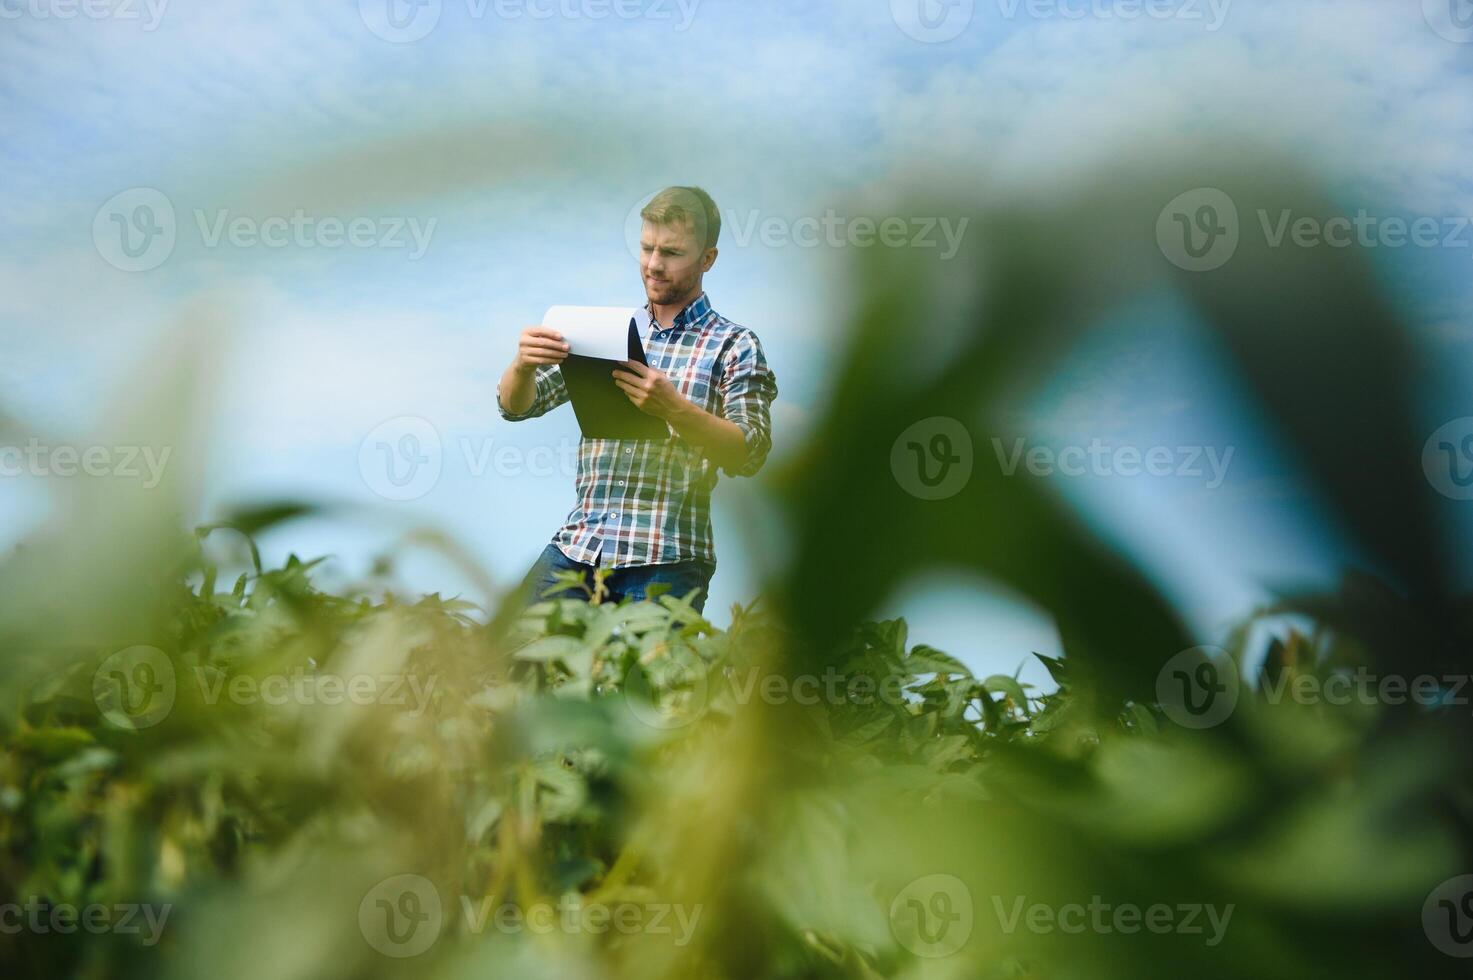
(633, 582)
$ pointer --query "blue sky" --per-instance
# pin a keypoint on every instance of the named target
(519, 145)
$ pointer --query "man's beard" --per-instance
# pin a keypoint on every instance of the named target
(664, 292)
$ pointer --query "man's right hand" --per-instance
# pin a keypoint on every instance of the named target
(539, 346)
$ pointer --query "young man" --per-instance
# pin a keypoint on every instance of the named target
(644, 506)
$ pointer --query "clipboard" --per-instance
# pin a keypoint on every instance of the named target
(602, 408)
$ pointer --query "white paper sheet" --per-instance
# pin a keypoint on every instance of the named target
(597, 331)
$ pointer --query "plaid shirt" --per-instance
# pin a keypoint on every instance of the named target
(648, 501)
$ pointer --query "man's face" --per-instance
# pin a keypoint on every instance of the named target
(671, 262)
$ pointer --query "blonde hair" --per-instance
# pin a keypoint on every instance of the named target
(674, 205)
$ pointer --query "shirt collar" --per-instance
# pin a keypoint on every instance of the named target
(696, 311)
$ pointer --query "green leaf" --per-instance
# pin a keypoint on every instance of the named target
(640, 616)
(1056, 668)
(1144, 720)
(550, 648)
(563, 583)
(561, 792)
(869, 730)
(88, 760)
(929, 660)
(947, 750)
(484, 819)
(1008, 686)
(54, 743)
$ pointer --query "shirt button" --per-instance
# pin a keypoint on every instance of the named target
(621, 483)
(628, 452)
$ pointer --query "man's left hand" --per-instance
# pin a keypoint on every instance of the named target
(649, 390)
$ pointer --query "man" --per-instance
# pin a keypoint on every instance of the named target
(644, 506)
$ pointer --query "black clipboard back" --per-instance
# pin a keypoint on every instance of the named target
(603, 410)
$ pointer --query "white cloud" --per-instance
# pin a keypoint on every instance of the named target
(1363, 89)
